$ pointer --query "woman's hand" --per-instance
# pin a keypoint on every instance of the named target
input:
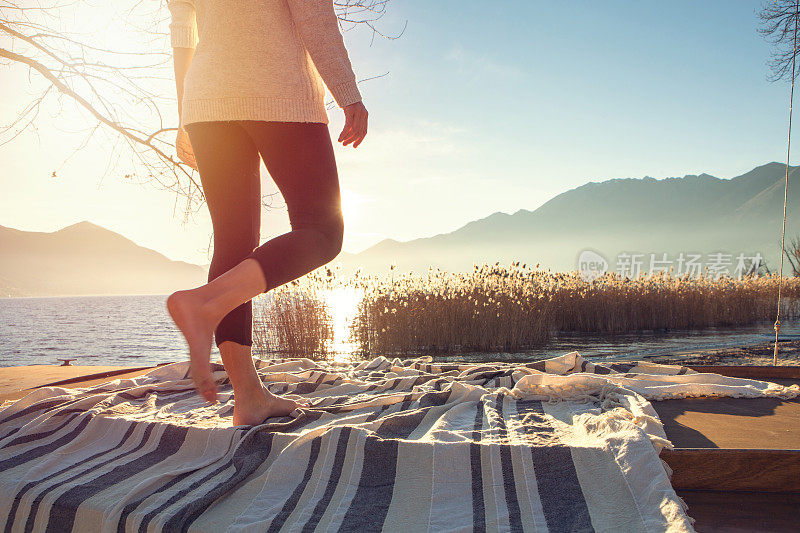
(184, 148)
(355, 124)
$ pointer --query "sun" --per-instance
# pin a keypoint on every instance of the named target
(351, 206)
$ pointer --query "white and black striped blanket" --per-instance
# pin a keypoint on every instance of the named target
(387, 445)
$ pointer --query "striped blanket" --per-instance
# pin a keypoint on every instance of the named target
(386, 445)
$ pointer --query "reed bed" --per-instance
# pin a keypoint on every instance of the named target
(490, 309)
(613, 304)
(293, 320)
(495, 308)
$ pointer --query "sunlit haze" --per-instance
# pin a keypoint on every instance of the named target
(482, 108)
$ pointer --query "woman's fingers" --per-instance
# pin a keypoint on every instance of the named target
(358, 130)
(184, 149)
(355, 125)
(348, 126)
(188, 158)
(362, 132)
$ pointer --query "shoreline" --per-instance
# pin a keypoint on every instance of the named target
(745, 355)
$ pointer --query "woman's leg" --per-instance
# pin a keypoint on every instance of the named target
(300, 159)
(229, 164)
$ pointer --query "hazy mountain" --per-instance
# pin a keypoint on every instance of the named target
(86, 259)
(693, 214)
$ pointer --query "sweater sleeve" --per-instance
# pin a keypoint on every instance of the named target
(318, 28)
(183, 25)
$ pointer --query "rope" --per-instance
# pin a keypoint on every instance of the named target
(786, 189)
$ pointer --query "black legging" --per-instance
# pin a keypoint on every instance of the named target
(299, 158)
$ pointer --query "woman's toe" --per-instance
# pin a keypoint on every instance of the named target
(207, 388)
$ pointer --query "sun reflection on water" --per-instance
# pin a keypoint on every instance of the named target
(342, 304)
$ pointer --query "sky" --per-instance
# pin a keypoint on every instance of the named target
(479, 107)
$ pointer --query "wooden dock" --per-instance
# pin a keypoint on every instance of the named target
(736, 461)
(18, 381)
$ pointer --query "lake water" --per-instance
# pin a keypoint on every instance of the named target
(97, 330)
(137, 331)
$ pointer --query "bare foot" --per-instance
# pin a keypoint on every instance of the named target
(197, 325)
(253, 409)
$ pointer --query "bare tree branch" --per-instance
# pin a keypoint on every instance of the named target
(777, 25)
(123, 90)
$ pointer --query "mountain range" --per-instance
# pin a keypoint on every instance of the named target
(85, 258)
(699, 214)
(694, 214)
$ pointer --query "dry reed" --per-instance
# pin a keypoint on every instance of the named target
(292, 320)
(509, 309)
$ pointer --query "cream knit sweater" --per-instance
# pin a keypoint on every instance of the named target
(261, 59)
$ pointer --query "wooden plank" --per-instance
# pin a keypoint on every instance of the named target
(16, 378)
(741, 512)
(761, 372)
(734, 470)
(98, 375)
(14, 393)
(731, 422)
